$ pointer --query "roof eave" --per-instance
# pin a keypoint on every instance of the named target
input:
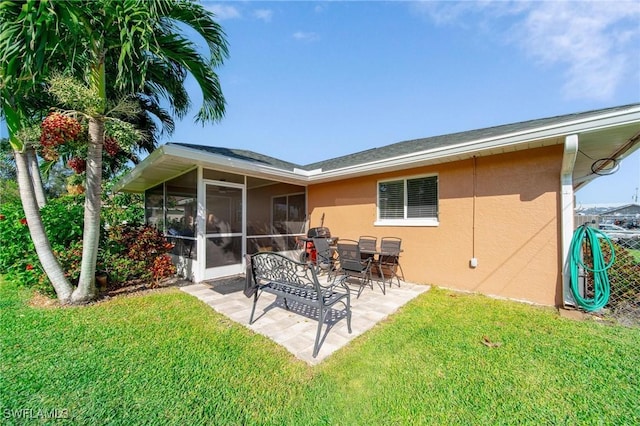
(195, 158)
(531, 138)
(526, 139)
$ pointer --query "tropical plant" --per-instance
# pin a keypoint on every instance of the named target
(62, 218)
(121, 208)
(137, 252)
(17, 258)
(128, 251)
(25, 62)
(9, 191)
(137, 50)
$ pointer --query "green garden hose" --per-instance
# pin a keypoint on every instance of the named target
(601, 286)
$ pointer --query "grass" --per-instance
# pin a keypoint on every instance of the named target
(635, 254)
(166, 358)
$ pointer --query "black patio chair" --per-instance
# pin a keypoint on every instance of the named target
(352, 265)
(325, 258)
(367, 243)
(389, 259)
(369, 250)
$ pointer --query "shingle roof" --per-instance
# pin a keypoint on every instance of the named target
(242, 154)
(405, 147)
(423, 144)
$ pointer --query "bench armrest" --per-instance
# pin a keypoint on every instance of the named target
(339, 282)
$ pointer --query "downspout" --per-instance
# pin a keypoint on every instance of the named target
(201, 239)
(567, 212)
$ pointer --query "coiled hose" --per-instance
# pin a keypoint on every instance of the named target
(601, 286)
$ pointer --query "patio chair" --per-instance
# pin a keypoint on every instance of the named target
(368, 244)
(325, 259)
(388, 262)
(352, 265)
(369, 250)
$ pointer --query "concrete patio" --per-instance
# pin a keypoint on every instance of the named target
(296, 329)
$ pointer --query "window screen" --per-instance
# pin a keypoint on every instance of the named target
(391, 196)
(422, 197)
(409, 198)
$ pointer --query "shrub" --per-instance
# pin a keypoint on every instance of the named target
(127, 252)
(18, 258)
(162, 267)
(63, 220)
(123, 209)
(9, 191)
(70, 259)
(131, 252)
(122, 269)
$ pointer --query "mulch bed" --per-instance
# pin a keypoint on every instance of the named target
(131, 288)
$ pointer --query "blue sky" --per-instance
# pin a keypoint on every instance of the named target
(307, 81)
(315, 80)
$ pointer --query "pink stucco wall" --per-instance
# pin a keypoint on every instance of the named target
(514, 233)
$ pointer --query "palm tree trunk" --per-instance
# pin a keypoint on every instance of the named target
(49, 262)
(86, 290)
(36, 178)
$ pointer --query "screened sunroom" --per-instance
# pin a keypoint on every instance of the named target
(215, 214)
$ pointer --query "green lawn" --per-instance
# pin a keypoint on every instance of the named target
(166, 358)
(635, 254)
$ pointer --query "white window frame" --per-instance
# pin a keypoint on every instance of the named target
(287, 195)
(431, 221)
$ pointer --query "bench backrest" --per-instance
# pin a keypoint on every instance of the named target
(274, 267)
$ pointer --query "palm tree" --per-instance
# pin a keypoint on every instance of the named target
(22, 72)
(152, 56)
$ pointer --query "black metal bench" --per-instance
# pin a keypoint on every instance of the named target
(295, 281)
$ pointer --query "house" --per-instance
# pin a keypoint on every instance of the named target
(627, 216)
(488, 210)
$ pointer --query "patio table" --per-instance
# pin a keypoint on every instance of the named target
(376, 255)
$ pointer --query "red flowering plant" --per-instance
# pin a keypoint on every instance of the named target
(62, 219)
(162, 267)
(18, 259)
(137, 252)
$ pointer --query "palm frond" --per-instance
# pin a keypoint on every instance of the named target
(182, 51)
(142, 44)
(202, 21)
(166, 79)
(152, 112)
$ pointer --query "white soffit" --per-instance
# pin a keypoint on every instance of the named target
(600, 127)
(600, 135)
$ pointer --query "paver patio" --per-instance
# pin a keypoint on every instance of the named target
(296, 329)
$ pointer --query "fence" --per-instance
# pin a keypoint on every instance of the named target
(623, 306)
(624, 276)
